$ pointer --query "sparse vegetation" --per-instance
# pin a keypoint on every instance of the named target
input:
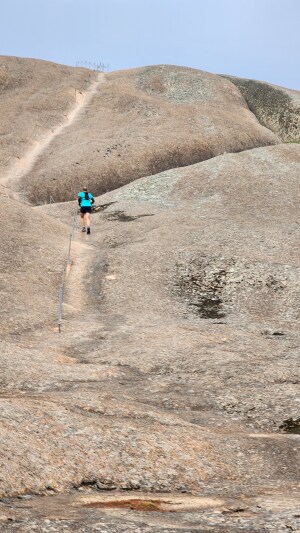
(273, 107)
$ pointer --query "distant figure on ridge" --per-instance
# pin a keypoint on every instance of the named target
(85, 200)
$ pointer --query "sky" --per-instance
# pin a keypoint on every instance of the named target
(258, 39)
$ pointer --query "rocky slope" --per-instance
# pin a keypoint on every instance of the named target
(277, 108)
(140, 122)
(177, 366)
(33, 251)
(35, 97)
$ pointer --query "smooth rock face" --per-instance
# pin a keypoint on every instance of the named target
(32, 258)
(177, 367)
(35, 97)
(141, 122)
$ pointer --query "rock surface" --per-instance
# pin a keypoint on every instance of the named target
(176, 370)
(32, 255)
(275, 107)
(141, 122)
(35, 97)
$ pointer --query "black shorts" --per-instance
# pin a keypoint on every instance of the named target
(85, 209)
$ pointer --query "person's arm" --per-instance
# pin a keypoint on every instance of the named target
(92, 198)
(79, 197)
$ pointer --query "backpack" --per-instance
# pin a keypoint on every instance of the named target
(87, 197)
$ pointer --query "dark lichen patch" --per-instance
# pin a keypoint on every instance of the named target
(273, 107)
(214, 287)
(272, 333)
(132, 504)
(201, 284)
(120, 216)
(209, 308)
(291, 425)
(96, 208)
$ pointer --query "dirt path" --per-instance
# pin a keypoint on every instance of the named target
(25, 164)
(80, 319)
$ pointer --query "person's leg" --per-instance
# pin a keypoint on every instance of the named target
(88, 222)
(82, 220)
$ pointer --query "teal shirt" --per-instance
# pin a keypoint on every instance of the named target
(83, 201)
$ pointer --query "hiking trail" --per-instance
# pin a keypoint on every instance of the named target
(24, 165)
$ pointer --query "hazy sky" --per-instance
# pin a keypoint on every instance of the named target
(250, 38)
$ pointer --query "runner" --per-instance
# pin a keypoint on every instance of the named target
(85, 200)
